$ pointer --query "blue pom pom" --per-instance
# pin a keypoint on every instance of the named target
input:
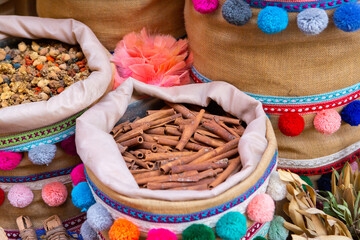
(42, 154)
(16, 65)
(347, 17)
(236, 12)
(7, 57)
(231, 226)
(351, 113)
(312, 21)
(272, 20)
(99, 218)
(87, 232)
(277, 230)
(324, 182)
(82, 197)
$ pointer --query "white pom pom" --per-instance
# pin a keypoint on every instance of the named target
(276, 188)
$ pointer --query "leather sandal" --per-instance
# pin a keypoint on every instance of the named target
(25, 227)
(54, 229)
(3, 235)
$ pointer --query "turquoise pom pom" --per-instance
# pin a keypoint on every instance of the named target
(231, 226)
(198, 232)
(82, 197)
(277, 230)
(272, 20)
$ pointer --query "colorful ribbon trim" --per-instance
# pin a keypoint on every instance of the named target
(157, 218)
(27, 140)
(301, 105)
(36, 177)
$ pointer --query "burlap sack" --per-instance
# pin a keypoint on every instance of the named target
(114, 187)
(287, 71)
(111, 20)
(27, 126)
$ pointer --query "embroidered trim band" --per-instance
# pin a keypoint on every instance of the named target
(157, 218)
(28, 137)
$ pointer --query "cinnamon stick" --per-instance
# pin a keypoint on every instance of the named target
(147, 175)
(213, 127)
(217, 151)
(185, 112)
(210, 173)
(204, 132)
(132, 142)
(148, 138)
(225, 119)
(191, 176)
(168, 155)
(223, 163)
(230, 130)
(133, 133)
(170, 142)
(155, 136)
(234, 163)
(167, 185)
(184, 160)
(208, 140)
(157, 115)
(149, 145)
(226, 154)
(138, 154)
(163, 121)
(158, 131)
(119, 128)
(189, 131)
(172, 131)
(181, 121)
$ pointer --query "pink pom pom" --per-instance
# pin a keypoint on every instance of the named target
(327, 121)
(54, 194)
(20, 195)
(161, 234)
(205, 6)
(9, 160)
(69, 145)
(261, 208)
(354, 166)
(78, 174)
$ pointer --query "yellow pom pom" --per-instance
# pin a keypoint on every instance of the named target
(123, 229)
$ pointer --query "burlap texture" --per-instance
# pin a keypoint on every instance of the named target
(286, 64)
(186, 207)
(38, 211)
(111, 20)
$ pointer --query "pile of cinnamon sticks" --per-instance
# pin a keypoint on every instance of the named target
(180, 148)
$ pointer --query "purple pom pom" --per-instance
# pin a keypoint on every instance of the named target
(68, 145)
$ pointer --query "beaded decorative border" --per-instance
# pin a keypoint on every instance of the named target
(301, 105)
(37, 177)
(157, 218)
(298, 6)
(72, 225)
(28, 137)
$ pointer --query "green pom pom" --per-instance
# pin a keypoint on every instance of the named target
(307, 180)
(259, 238)
(198, 232)
(277, 230)
(231, 226)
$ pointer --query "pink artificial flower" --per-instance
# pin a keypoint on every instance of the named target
(153, 59)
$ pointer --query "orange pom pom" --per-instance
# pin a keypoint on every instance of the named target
(123, 229)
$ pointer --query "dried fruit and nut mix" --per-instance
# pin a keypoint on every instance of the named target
(36, 72)
(179, 148)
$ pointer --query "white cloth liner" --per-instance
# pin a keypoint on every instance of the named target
(99, 152)
(78, 96)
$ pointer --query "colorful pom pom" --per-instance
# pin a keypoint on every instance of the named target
(351, 113)
(161, 234)
(231, 226)
(261, 208)
(20, 195)
(54, 194)
(276, 187)
(324, 182)
(82, 197)
(78, 174)
(198, 232)
(327, 121)
(2, 196)
(272, 20)
(99, 218)
(277, 230)
(291, 124)
(9, 160)
(124, 229)
(354, 166)
(87, 232)
(42, 154)
(205, 6)
(347, 17)
(236, 12)
(312, 21)
(69, 146)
